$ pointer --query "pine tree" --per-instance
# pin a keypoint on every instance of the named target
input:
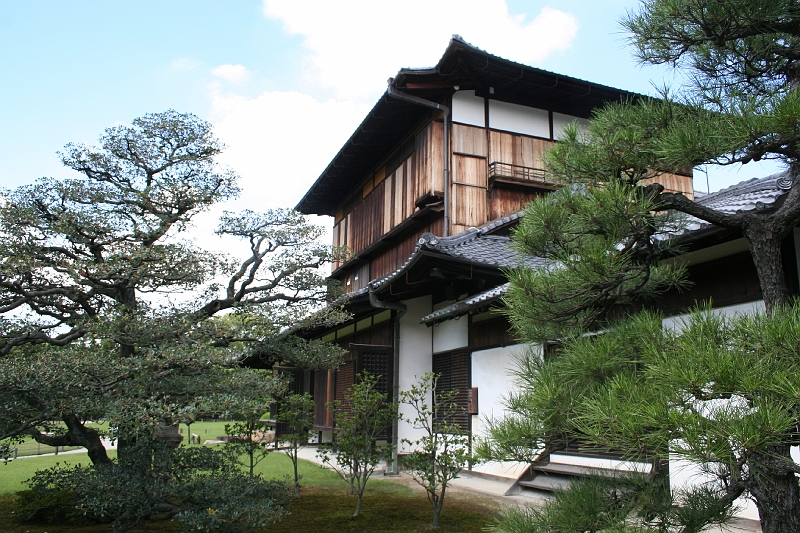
(717, 395)
(107, 313)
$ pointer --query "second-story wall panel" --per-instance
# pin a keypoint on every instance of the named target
(393, 258)
(365, 222)
(400, 201)
(469, 189)
(469, 170)
(469, 140)
(388, 200)
(428, 156)
(470, 209)
(516, 149)
(503, 202)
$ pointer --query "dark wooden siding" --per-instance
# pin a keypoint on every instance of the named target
(727, 281)
(377, 360)
(389, 198)
(393, 258)
(369, 349)
(323, 393)
(296, 386)
(345, 377)
(365, 226)
(454, 369)
(490, 333)
(380, 334)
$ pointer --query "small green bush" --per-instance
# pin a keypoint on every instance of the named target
(58, 506)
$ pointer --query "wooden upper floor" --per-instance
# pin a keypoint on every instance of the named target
(466, 148)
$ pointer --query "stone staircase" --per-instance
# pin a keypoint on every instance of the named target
(553, 472)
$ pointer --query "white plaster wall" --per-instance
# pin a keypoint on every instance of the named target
(450, 335)
(468, 108)
(682, 472)
(415, 359)
(519, 119)
(492, 374)
(560, 121)
(599, 462)
(676, 322)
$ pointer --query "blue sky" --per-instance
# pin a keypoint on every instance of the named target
(284, 82)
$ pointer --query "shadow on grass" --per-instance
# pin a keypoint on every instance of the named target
(323, 506)
(322, 509)
(385, 508)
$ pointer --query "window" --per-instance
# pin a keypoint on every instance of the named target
(454, 370)
(375, 359)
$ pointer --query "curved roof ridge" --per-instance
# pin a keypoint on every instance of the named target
(470, 304)
(431, 241)
(779, 180)
(499, 222)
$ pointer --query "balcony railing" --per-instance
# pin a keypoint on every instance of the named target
(518, 173)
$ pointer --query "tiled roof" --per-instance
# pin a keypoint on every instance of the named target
(500, 222)
(472, 246)
(480, 300)
(477, 246)
(756, 194)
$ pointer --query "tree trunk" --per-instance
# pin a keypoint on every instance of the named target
(294, 457)
(437, 511)
(80, 435)
(438, 503)
(764, 240)
(127, 298)
(776, 491)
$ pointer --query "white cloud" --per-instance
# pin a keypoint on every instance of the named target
(354, 46)
(279, 142)
(232, 73)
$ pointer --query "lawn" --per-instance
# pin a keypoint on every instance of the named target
(323, 505)
(30, 447)
(385, 509)
(204, 429)
(14, 473)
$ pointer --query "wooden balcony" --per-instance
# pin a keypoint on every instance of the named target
(509, 174)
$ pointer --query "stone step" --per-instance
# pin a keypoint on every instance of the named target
(547, 482)
(577, 470)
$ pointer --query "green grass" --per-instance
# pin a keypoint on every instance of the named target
(206, 430)
(324, 504)
(29, 446)
(330, 509)
(14, 473)
(277, 465)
